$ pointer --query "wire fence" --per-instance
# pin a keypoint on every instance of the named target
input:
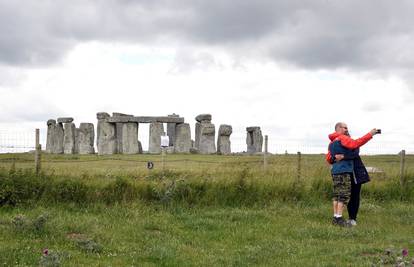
(24, 141)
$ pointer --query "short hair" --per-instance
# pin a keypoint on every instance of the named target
(338, 125)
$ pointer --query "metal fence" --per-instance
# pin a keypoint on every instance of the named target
(24, 141)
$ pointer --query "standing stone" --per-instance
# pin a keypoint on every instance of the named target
(223, 140)
(119, 127)
(171, 129)
(86, 138)
(155, 132)
(54, 141)
(207, 139)
(204, 118)
(197, 135)
(129, 138)
(106, 135)
(182, 143)
(254, 139)
(59, 137)
(50, 139)
(76, 149)
(139, 147)
(69, 138)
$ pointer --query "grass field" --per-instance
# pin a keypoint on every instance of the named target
(199, 211)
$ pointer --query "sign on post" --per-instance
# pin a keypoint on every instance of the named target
(165, 141)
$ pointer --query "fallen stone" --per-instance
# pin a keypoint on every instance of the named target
(65, 120)
(374, 170)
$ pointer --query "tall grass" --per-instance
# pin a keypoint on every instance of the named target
(238, 188)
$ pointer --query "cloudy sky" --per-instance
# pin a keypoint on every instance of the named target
(294, 68)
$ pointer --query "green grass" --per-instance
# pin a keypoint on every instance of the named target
(280, 234)
(199, 211)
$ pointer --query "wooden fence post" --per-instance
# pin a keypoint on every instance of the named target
(38, 151)
(265, 153)
(299, 166)
(402, 168)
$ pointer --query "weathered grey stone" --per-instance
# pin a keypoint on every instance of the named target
(106, 135)
(223, 140)
(156, 130)
(54, 139)
(65, 120)
(119, 134)
(171, 129)
(197, 135)
(140, 147)
(182, 143)
(204, 118)
(254, 139)
(76, 149)
(102, 115)
(146, 119)
(86, 138)
(207, 139)
(117, 114)
(69, 138)
(129, 138)
(225, 129)
(253, 128)
(50, 122)
(59, 135)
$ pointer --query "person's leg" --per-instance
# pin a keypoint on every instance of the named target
(343, 197)
(353, 204)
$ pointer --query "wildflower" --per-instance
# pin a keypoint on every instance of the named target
(45, 252)
(405, 252)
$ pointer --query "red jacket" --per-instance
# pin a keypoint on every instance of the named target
(347, 142)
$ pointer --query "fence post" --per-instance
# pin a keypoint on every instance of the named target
(38, 151)
(402, 168)
(265, 153)
(299, 166)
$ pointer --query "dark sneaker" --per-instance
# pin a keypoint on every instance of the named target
(342, 222)
(334, 221)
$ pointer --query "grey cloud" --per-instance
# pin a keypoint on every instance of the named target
(373, 35)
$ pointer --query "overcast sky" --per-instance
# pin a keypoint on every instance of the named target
(294, 68)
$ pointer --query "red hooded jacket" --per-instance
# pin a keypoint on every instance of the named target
(347, 142)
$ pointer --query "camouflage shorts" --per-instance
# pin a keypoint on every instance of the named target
(341, 187)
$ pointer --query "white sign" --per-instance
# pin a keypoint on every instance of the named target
(165, 141)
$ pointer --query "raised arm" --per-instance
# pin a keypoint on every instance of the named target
(350, 143)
